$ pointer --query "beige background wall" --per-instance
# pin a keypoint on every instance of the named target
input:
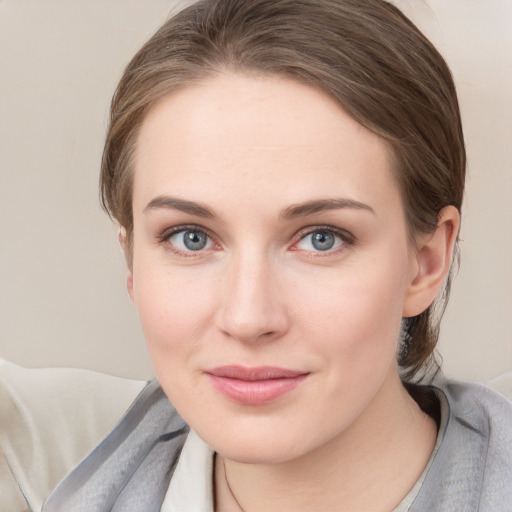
(63, 300)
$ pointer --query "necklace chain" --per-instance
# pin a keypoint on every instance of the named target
(229, 487)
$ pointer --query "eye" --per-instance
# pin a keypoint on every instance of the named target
(322, 240)
(189, 240)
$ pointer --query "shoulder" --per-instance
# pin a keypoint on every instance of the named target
(50, 419)
(472, 469)
(489, 414)
(502, 383)
(486, 412)
(477, 402)
(131, 467)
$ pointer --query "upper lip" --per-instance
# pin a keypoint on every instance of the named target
(254, 373)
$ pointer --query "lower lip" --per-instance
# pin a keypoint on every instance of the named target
(255, 392)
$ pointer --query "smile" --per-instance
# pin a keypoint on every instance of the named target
(254, 386)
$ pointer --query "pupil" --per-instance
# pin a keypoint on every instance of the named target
(194, 240)
(322, 241)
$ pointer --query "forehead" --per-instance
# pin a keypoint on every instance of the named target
(276, 138)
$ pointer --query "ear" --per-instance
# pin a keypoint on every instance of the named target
(431, 262)
(129, 276)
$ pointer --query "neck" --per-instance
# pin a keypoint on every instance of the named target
(372, 465)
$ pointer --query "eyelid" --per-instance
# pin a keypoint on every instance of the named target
(168, 232)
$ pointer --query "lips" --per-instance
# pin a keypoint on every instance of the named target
(254, 386)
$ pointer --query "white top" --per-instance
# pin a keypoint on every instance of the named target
(191, 488)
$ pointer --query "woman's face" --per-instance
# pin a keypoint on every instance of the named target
(271, 264)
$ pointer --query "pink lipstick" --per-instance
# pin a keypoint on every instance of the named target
(254, 386)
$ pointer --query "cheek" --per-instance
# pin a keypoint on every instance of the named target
(353, 328)
(174, 307)
(356, 314)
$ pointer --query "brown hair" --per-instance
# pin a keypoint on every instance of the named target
(365, 54)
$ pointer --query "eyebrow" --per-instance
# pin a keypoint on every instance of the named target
(291, 212)
(175, 203)
(322, 205)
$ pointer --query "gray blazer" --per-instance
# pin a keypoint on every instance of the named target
(131, 468)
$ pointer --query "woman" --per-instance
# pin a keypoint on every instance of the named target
(288, 179)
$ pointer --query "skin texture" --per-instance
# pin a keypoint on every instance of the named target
(249, 149)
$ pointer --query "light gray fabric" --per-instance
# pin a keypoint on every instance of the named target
(472, 470)
(130, 470)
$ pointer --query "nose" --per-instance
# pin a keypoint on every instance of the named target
(253, 307)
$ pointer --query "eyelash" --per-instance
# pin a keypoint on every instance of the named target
(346, 238)
(164, 237)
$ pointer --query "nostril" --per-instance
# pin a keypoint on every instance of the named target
(249, 334)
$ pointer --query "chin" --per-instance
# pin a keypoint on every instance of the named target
(259, 443)
(259, 452)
